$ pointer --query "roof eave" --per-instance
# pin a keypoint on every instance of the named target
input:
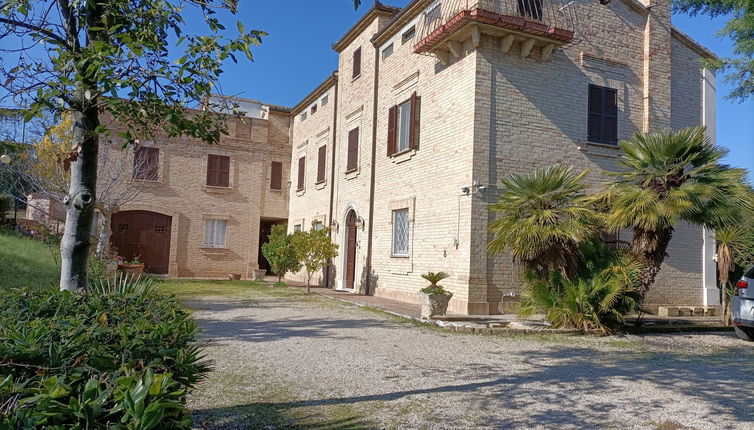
(316, 93)
(375, 11)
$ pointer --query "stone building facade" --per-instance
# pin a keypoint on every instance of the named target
(204, 210)
(433, 104)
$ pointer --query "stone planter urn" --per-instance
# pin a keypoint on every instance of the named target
(259, 274)
(434, 305)
(131, 269)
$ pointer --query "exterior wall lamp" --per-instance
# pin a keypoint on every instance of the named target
(360, 223)
(5, 159)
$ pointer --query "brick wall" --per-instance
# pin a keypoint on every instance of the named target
(181, 192)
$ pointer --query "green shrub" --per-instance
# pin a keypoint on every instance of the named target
(434, 279)
(597, 298)
(121, 356)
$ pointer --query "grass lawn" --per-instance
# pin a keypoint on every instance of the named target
(26, 262)
(189, 289)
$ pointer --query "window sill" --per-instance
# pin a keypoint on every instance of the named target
(273, 190)
(352, 174)
(403, 156)
(148, 183)
(353, 79)
(216, 189)
(300, 192)
(403, 257)
(211, 249)
(320, 185)
(603, 149)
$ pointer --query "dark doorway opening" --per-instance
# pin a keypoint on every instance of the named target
(265, 226)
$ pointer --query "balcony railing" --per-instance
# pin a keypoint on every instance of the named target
(544, 21)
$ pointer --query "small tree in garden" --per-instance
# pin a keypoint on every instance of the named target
(730, 241)
(313, 250)
(279, 252)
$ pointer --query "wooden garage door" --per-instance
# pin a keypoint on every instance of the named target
(145, 235)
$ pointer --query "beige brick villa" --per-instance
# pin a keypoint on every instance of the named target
(401, 149)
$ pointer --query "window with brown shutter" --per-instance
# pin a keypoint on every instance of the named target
(404, 125)
(353, 150)
(276, 176)
(392, 120)
(146, 163)
(602, 122)
(356, 63)
(413, 136)
(301, 169)
(218, 170)
(321, 163)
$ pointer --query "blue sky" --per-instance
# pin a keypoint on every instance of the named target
(297, 56)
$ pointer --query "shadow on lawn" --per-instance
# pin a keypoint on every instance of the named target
(569, 387)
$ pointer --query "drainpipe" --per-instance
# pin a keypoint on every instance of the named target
(332, 173)
(373, 169)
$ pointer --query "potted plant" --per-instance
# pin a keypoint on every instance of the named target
(434, 298)
(133, 267)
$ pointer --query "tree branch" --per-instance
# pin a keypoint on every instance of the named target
(36, 28)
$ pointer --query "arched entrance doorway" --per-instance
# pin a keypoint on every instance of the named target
(143, 235)
(350, 249)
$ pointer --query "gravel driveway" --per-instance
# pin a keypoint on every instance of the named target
(284, 360)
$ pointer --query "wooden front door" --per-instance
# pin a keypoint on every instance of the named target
(350, 250)
(143, 235)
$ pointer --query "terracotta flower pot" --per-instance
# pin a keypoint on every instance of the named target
(434, 305)
(131, 269)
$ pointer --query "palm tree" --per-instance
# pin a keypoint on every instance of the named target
(543, 218)
(729, 240)
(669, 177)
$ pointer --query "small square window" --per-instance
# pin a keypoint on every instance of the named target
(325, 100)
(297, 227)
(303, 116)
(314, 109)
(409, 34)
(388, 51)
(214, 233)
(400, 232)
(318, 225)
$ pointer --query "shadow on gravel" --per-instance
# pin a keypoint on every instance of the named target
(569, 387)
(245, 328)
(274, 416)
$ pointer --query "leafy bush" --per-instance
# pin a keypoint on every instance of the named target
(280, 253)
(434, 278)
(121, 356)
(596, 298)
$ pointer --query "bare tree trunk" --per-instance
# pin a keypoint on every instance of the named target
(652, 259)
(103, 238)
(74, 247)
